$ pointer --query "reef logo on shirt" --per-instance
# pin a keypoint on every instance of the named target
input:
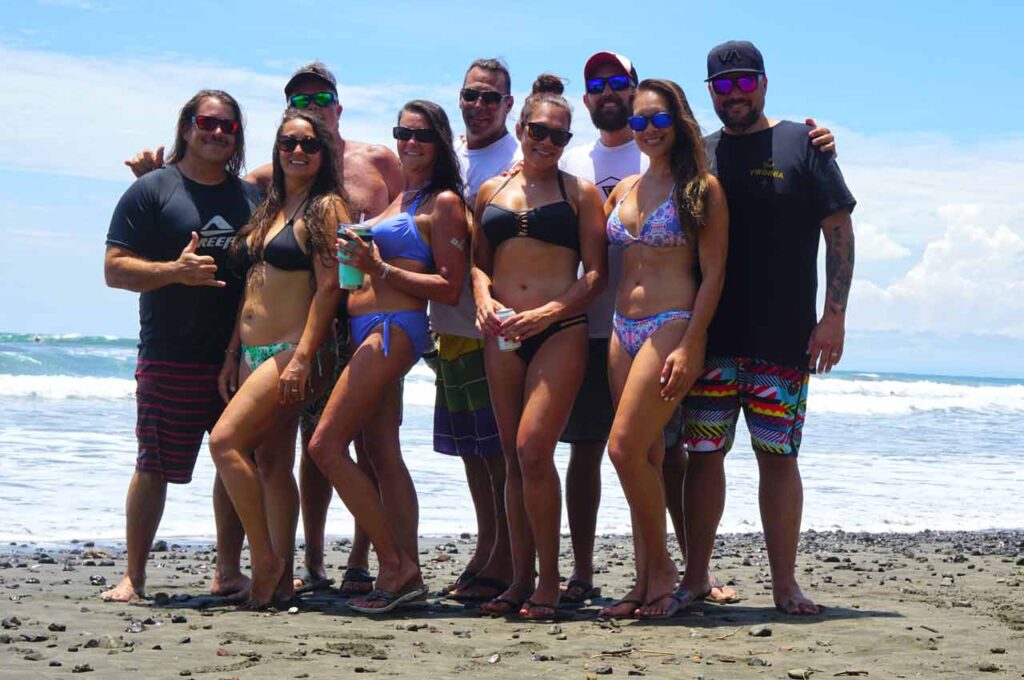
(767, 170)
(216, 233)
(608, 184)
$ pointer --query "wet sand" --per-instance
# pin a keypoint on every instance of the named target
(924, 605)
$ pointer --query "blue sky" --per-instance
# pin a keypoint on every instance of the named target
(924, 101)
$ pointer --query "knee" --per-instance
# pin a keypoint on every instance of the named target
(622, 457)
(221, 443)
(318, 450)
(534, 459)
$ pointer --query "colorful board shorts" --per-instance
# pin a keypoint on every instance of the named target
(176, 404)
(773, 399)
(464, 423)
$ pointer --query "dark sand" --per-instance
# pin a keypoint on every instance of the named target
(925, 605)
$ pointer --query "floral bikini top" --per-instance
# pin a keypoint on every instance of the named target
(661, 229)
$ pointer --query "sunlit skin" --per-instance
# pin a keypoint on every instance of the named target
(539, 281)
(610, 109)
(741, 112)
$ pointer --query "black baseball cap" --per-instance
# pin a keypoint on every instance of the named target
(735, 56)
(314, 71)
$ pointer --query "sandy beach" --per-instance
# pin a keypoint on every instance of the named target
(924, 605)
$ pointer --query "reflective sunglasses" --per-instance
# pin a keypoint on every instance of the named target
(661, 120)
(310, 145)
(209, 124)
(422, 135)
(489, 97)
(539, 132)
(747, 83)
(321, 99)
(617, 83)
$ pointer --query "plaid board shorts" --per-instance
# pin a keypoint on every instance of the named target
(176, 405)
(464, 423)
(773, 399)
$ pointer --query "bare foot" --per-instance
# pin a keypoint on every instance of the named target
(660, 586)
(538, 611)
(266, 575)
(125, 591)
(235, 588)
(793, 602)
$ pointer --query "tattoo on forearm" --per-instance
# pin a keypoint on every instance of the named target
(838, 268)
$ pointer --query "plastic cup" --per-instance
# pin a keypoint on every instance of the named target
(349, 277)
(503, 344)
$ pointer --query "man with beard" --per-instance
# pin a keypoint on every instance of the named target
(610, 80)
(765, 338)
(372, 178)
(464, 423)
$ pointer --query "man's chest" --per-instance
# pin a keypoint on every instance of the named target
(366, 189)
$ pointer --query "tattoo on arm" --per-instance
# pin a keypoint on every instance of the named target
(838, 266)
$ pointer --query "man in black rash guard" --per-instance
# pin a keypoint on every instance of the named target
(168, 241)
(765, 338)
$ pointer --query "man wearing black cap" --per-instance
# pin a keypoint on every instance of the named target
(766, 338)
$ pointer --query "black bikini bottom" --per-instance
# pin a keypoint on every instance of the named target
(529, 347)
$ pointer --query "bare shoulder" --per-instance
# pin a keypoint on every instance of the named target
(377, 154)
(333, 203)
(714, 189)
(448, 200)
(487, 189)
(261, 176)
(623, 186)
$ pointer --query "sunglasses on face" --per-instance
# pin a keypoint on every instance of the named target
(469, 95)
(746, 83)
(539, 132)
(660, 120)
(209, 124)
(422, 135)
(617, 83)
(321, 99)
(310, 145)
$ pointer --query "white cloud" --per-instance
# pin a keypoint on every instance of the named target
(874, 244)
(108, 109)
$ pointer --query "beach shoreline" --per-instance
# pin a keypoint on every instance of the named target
(928, 604)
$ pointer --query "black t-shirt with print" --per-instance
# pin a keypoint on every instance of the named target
(155, 219)
(779, 189)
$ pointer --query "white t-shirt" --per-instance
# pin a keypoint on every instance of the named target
(478, 166)
(605, 166)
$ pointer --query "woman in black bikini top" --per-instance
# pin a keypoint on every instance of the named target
(534, 230)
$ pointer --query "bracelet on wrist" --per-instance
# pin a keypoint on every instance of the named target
(385, 269)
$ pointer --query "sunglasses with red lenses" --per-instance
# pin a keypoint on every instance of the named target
(209, 124)
(310, 145)
(539, 132)
(746, 83)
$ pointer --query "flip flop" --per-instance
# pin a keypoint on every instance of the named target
(720, 586)
(392, 600)
(529, 605)
(354, 575)
(782, 610)
(585, 591)
(678, 597)
(311, 583)
(625, 600)
(493, 584)
(513, 607)
(460, 582)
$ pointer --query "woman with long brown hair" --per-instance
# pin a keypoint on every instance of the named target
(281, 354)
(672, 223)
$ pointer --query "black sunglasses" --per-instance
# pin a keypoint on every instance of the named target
(617, 83)
(321, 99)
(310, 145)
(422, 135)
(539, 132)
(209, 124)
(489, 97)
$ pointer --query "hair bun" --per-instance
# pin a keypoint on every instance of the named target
(548, 82)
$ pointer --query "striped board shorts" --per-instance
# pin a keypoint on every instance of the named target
(464, 423)
(177, 404)
(773, 398)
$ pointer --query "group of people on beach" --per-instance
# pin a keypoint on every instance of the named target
(634, 294)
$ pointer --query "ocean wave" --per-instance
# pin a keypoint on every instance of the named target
(66, 339)
(827, 395)
(64, 387)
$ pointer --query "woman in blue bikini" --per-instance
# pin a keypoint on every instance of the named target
(672, 223)
(281, 354)
(417, 254)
